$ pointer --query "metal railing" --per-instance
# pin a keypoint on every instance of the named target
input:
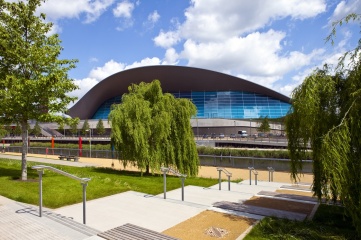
(83, 181)
(270, 173)
(170, 170)
(228, 174)
(254, 171)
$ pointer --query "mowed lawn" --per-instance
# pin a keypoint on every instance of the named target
(59, 190)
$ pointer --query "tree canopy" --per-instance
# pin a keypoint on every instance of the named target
(264, 126)
(325, 114)
(33, 80)
(100, 130)
(152, 129)
(85, 127)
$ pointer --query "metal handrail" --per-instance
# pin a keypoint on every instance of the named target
(255, 172)
(83, 181)
(228, 174)
(270, 174)
(40, 167)
(166, 170)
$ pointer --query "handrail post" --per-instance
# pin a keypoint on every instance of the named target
(219, 181)
(182, 188)
(85, 184)
(229, 182)
(164, 170)
(255, 176)
(270, 173)
(250, 175)
(40, 172)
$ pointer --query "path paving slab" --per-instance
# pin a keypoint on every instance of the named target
(260, 210)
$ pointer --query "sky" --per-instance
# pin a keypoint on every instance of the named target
(274, 43)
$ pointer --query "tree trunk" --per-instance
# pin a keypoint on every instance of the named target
(24, 152)
(147, 169)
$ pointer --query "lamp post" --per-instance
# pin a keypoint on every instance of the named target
(90, 142)
(250, 127)
(197, 130)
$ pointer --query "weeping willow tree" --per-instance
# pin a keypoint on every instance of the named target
(152, 129)
(326, 114)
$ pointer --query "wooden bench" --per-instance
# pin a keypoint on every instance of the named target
(62, 157)
(70, 157)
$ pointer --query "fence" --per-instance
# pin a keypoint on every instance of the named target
(277, 164)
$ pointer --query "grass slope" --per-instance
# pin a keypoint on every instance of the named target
(59, 190)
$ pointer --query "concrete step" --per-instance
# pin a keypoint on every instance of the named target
(22, 221)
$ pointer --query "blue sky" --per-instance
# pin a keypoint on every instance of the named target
(275, 43)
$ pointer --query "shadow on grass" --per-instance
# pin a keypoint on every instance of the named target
(122, 172)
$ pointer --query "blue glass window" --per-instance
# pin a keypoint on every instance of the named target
(222, 104)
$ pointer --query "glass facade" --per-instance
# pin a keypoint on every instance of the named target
(222, 104)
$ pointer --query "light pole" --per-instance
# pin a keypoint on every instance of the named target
(250, 127)
(197, 130)
(90, 142)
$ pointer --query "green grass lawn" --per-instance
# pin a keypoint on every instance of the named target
(329, 222)
(59, 190)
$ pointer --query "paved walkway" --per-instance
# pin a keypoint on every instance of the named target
(148, 211)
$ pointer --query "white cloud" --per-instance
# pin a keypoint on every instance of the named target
(257, 54)
(123, 10)
(217, 21)
(167, 40)
(344, 8)
(58, 9)
(84, 86)
(108, 69)
(153, 17)
(171, 57)
(145, 62)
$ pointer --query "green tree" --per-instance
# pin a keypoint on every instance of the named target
(33, 80)
(74, 127)
(17, 129)
(3, 131)
(264, 126)
(61, 128)
(153, 129)
(100, 130)
(85, 127)
(37, 129)
(325, 114)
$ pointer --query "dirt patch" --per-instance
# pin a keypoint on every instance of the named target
(211, 225)
(278, 204)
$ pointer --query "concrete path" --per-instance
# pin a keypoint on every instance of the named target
(147, 211)
(157, 213)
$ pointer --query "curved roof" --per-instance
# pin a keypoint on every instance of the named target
(172, 78)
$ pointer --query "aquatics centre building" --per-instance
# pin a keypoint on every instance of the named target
(216, 95)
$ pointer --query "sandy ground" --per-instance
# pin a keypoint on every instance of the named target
(210, 225)
(204, 171)
(211, 172)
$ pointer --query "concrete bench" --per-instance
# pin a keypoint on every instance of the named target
(71, 157)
